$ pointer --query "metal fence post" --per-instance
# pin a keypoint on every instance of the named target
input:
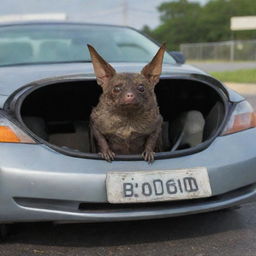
(232, 50)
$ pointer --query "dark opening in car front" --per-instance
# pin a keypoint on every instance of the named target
(56, 113)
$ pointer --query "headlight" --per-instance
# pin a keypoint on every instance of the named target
(9, 132)
(243, 117)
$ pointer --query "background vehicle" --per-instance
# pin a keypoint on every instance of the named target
(48, 171)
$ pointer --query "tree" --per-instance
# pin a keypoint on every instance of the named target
(179, 21)
(189, 22)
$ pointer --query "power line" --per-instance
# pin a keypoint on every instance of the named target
(106, 12)
(142, 11)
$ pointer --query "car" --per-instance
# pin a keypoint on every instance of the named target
(49, 169)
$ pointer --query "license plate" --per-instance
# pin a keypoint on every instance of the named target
(149, 186)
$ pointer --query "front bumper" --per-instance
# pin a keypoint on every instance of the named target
(39, 184)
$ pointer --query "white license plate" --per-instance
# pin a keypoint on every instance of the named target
(148, 186)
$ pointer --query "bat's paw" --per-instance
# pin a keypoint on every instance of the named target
(108, 155)
(148, 156)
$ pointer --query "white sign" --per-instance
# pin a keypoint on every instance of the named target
(33, 17)
(243, 23)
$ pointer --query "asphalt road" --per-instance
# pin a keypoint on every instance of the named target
(223, 233)
(223, 66)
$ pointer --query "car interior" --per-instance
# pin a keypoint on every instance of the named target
(15, 52)
(59, 113)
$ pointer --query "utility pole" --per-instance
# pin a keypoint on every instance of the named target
(125, 12)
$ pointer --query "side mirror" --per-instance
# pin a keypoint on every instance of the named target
(178, 56)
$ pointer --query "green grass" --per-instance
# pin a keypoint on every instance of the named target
(237, 76)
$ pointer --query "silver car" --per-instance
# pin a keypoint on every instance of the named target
(49, 170)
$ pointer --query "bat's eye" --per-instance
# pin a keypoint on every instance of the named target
(116, 89)
(141, 88)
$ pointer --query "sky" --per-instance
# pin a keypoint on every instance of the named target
(134, 13)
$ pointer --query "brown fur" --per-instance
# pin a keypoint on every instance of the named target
(127, 119)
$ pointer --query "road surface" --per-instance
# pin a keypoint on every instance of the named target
(223, 66)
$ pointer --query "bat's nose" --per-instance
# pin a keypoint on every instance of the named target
(129, 95)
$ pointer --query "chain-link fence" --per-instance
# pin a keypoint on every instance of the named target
(228, 50)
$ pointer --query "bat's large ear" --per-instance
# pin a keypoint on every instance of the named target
(152, 71)
(103, 71)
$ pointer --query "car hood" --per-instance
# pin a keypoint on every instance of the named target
(14, 77)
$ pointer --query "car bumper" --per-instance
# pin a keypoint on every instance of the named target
(39, 184)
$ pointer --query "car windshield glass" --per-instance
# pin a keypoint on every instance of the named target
(53, 43)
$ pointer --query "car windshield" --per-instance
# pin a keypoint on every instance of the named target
(54, 43)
